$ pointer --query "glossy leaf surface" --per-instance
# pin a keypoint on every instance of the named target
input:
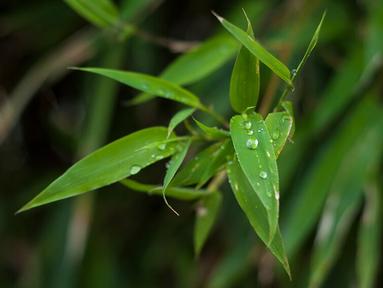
(255, 152)
(111, 163)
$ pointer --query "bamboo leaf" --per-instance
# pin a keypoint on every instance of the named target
(305, 208)
(196, 64)
(312, 44)
(252, 144)
(206, 216)
(279, 125)
(179, 193)
(257, 50)
(212, 132)
(245, 82)
(255, 211)
(102, 13)
(111, 163)
(149, 84)
(369, 237)
(344, 199)
(178, 118)
(204, 165)
(172, 168)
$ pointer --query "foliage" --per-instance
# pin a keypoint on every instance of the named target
(295, 169)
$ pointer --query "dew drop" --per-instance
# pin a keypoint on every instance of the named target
(268, 154)
(252, 143)
(135, 169)
(277, 195)
(258, 184)
(275, 134)
(268, 194)
(263, 174)
(145, 86)
(159, 157)
(250, 132)
(247, 125)
(162, 146)
(294, 72)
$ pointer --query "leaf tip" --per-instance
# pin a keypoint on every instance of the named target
(220, 19)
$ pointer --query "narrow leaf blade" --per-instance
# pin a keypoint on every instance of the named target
(206, 216)
(111, 163)
(255, 212)
(258, 51)
(149, 84)
(252, 144)
(279, 125)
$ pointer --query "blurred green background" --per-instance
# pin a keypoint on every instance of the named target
(331, 176)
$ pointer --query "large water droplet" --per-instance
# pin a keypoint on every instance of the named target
(134, 169)
(263, 174)
(247, 125)
(275, 134)
(162, 146)
(252, 143)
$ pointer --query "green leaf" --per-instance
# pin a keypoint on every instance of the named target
(279, 125)
(212, 132)
(150, 84)
(173, 166)
(369, 237)
(204, 165)
(197, 63)
(258, 51)
(255, 211)
(342, 205)
(288, 106)
(245, 82)
(255, 152)
(206, 216)
(179, 193)
(305, 208)
(310, 48)
(178, 118)
(111, 163)
(102, 13)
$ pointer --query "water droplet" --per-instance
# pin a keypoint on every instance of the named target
(268, 154)
(286, 118)
(247, 125)
(159, 157)
(252, 143)
(244, 116)
(201, 211)
(161, 92)
(260, 130)
(162, 146)
(145, 86)
(153, 156)
(294, 72)
(275, 134)
(135, 169)
(258, 184)
(236, 187)
(263, 174)
(167, 165)
(277, 195)
(168, 93)
(250, 132)
(268, 194)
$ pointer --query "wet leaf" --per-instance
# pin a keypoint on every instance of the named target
(212, 132)
(149, 84)
(255, 212)
(255, 152)
(279, 125)
(111, 163)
